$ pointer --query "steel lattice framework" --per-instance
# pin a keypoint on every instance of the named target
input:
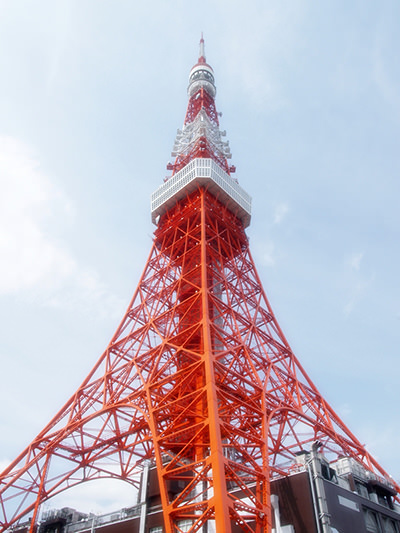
(198, 378)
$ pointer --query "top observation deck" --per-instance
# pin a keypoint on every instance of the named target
(207, 173)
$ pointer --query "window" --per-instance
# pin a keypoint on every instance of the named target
(157, 529)
(371, 521)
(389, 526)
(184, 525)
(362, 489)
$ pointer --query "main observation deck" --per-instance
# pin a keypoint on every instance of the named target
(206, 173)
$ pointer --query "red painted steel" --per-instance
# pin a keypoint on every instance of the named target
(199, 378)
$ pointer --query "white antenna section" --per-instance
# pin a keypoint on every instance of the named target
(201, 127)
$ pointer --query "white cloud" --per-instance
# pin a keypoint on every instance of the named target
(280, 212)
(355, 294)
(384, 74)
(28, 202)
(4, 463)
(99, 497)
(355, 260)
(34, 261)
(264, 252)
(356, 282)
(255, 64)
(381, 443)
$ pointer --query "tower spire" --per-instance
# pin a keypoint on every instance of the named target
(202, 55)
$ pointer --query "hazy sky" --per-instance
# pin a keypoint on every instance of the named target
(91, 95)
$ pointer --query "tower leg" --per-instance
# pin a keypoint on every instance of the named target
(221, 502)
(39, 497)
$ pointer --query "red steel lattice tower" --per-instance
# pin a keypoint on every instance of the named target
(198, 376)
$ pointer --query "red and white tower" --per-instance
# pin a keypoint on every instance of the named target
(198, 377)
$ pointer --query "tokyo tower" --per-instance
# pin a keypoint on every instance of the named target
(198, 379)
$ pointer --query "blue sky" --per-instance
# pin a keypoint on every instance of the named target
(91, 95)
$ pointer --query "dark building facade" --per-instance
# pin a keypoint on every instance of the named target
(316, 497)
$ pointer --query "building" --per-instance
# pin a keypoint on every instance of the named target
(348, 497)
